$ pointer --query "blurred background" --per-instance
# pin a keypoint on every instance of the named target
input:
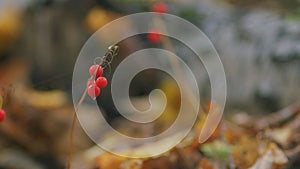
(257, 41)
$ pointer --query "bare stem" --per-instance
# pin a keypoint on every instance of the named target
(112, 51)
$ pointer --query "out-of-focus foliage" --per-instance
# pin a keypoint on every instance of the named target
(97, 17)
(10, 24)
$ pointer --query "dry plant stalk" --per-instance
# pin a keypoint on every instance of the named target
(105, 62)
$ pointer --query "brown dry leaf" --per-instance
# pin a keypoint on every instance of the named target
(279, 135)
(245, 152)
(272, 157)
(132, 164)
(186, 157)
(109, 161)
(205, 163)
(265, 162)
(279, 157)
(162, 162)
(233, 134)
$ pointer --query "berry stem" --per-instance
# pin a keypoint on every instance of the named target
(73, 127)
(113, 51)
(1, 102)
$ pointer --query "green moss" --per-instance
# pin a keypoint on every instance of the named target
(216, 150)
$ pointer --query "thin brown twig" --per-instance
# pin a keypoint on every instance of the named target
(73, 127)
(113, 51)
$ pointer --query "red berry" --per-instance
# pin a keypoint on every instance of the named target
(93, 91)
(90, 82)
(2, 115)
(101, 82)
(95, 68)
(153, 37)
(160, 7)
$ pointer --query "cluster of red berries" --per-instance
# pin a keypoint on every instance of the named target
(2, 115)
(153, 35)
(96, 82)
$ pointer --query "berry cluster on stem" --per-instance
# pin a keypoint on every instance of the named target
(96, 82)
